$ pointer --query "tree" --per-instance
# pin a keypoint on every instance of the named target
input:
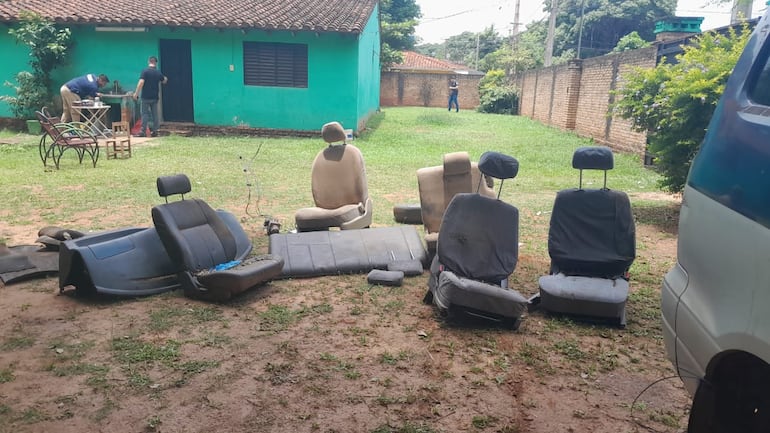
(673, 103)
(631, 41)
(468, 47)
(398, 19)
(605, 22)
(49, 46)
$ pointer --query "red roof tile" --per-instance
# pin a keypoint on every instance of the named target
(417, 61)
(339, 16)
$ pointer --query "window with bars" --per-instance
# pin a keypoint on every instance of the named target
(274, 64)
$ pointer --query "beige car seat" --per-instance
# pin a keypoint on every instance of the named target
(338, 182)
(438, 185)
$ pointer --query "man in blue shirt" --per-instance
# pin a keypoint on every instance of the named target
(77, 88)
(149, 86)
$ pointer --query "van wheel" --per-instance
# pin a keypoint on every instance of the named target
(734, 399)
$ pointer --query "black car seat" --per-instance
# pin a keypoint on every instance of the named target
(212, 258)
(591, 241)
(477, 250)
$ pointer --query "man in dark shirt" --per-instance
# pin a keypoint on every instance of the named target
(453, 91)
(80, 87)
(149, 86)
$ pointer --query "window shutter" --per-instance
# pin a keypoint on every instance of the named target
(274, 64)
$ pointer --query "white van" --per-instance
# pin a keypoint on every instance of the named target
(716, 300)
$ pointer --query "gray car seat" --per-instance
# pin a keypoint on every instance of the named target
(477, 250)
(591, 241)
(212, 257)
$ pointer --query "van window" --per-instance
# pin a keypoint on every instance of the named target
(759, 89)
(733, 164)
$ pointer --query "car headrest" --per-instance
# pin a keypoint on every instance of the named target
(593, 158)
(457, 163)
(498, 165)
(176, 184)
(332, 132)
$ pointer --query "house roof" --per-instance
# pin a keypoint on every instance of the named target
(418, 62)
(338, 16)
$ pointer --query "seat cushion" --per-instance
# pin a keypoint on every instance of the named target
(316, 218)
(253, 271)
(478, 296)
(584, 296)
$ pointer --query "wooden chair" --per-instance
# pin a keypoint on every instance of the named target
(59, 137)
(119, 144)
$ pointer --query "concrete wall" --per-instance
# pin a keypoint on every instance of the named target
(427, 89)
(577, 96)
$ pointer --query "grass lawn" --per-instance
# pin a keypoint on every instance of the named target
(328, 354)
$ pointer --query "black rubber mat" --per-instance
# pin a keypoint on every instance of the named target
(27, 261)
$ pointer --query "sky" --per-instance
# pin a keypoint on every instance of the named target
(444, 18)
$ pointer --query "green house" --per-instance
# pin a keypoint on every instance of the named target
(289, 65)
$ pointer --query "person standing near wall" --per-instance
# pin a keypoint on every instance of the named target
(149, 86)
(453, 91)
(76, 88)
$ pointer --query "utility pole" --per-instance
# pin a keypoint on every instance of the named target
(515, 35)
(548, 57)
(741, 11)
(580, 32)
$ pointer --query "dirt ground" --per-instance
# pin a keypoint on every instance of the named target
(334, 354)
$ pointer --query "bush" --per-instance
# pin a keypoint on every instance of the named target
(49, 47)
(31, 95)
(497, 95)
(673, 103)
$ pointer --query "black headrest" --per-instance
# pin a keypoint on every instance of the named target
(593, 158)
(176, 184)
(498, 165)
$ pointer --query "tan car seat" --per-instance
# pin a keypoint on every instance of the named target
(338, 182)
(438, 185)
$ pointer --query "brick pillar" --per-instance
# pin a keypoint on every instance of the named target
(575, 70)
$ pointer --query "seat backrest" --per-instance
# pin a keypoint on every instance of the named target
(438, 185)
(338, 177)
(121, 129)
(479, 238)
(592, 231)
(193, 234)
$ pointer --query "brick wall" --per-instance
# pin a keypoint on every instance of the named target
(423, 89)
(577, 96)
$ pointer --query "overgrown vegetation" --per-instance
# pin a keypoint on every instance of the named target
(673, 102)
(48, 48)
(497, 94)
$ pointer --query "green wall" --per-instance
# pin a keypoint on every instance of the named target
(369, 70)
(343, 73)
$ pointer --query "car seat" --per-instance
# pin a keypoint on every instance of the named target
(477, 250)
(338, 182)
(591, 241)
(438, 185)
(212, 256)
